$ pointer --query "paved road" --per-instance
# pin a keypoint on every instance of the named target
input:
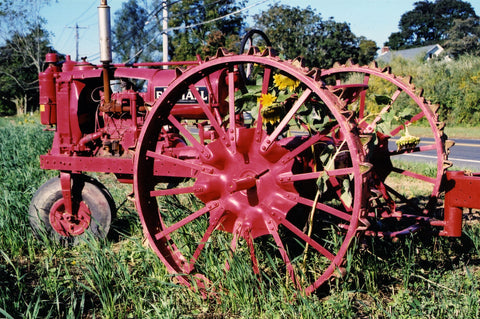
(464, 155)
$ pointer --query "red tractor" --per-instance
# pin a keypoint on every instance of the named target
(292, 185)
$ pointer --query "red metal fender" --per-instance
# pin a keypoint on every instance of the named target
(461, 191)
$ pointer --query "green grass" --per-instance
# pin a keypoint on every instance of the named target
(418, 276)
(453, 132)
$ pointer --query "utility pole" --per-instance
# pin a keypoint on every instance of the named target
(164, 35)
(77, 38)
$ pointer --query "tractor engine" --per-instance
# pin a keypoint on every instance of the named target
(89, 125)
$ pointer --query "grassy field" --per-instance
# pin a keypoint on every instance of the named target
(418, 276)
(460, 132)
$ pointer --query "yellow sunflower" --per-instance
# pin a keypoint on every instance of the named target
(267, 99)
(271, 111)
(283, 82)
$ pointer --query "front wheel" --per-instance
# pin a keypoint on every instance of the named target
(93, 205)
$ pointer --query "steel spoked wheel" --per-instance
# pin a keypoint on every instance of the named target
(93, 204)
(284, 194)
(387, 109)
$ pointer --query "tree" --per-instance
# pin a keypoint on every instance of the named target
(196, 27)
(202, 26)
(368, 50)
(464, 38)
(130, 39)
(19, 71)
(24, 47)
(294, 36)
(302, 32)
(337, 43)
(428, 23)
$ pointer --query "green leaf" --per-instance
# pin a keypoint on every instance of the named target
(346, 196)
(382, 99)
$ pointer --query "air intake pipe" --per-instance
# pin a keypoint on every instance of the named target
(104, 31)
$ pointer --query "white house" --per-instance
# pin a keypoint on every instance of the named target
(427, 52)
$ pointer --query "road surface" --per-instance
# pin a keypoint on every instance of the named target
(465, 154)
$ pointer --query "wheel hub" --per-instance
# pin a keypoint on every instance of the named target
(68, 224)
(245, 185)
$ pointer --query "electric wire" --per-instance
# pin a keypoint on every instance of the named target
(151, 16)
(77, 20)
(193, 26)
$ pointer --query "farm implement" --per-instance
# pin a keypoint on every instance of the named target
(243, 156)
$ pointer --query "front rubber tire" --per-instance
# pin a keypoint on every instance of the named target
(88, 193)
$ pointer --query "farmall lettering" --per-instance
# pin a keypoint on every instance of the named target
(188, 97)
(310, 167)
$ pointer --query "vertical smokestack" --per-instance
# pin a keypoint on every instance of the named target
(165, 36)
(105, 46)
(104, 31)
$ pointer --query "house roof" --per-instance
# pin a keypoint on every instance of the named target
(410, 54)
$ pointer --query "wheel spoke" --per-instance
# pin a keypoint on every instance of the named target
(231, 109)
(208, 233)
(207, 111)
(301, 100)
(289, 177)
(182, 222)
(415, 118)
(415, 150)
(248, 238)
(386, 109)
(390, 190)
(363, 96)
(308, 240)
(175, 161)
(233, 247)
(186, 133)
(325, 208)
(267, 74)
(174, 191)
(414, 175)
(304, 146)
(286, 259)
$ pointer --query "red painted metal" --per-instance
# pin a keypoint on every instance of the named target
(246, 178)
(180, 136)
(400, 95)
(461, 192)
(68, 224)
(65, 183)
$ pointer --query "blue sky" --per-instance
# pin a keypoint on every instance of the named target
(374, 19)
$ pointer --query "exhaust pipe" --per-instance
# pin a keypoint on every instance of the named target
(104, 31)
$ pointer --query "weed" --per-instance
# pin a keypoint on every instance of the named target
(417, 276)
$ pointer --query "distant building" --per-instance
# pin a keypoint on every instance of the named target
(427, 52)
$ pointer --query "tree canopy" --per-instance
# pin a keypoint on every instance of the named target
(203, 26)
(24, 45)
(464, 37)
(196, 27)
(21, 58)
(130, 33)
(429, 23)
(302, 32)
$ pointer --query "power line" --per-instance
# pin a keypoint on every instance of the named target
(77, 38)
(156, 11)
(216, 19)
(84, 12)
(195, 25)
